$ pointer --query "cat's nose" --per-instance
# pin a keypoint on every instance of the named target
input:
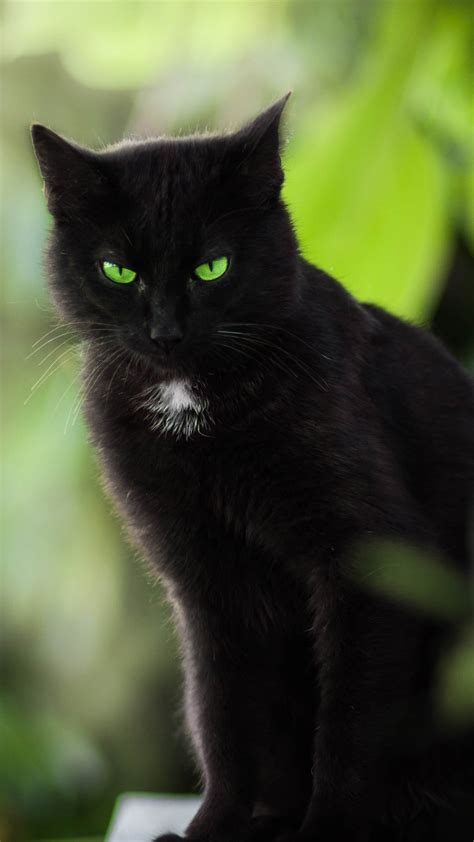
(166, 337)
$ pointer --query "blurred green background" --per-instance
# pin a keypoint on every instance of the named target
(380, 181)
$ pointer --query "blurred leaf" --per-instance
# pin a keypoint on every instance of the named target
(456, 682)
(469, 204)
(440, 92)
(409, 576)
(44, 754)
(368, 191)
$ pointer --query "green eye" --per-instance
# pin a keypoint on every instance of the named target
(212, 270)
(118, 274)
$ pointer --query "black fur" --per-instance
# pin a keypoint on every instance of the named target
(323, 423)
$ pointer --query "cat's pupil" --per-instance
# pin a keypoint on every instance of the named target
(210, 264)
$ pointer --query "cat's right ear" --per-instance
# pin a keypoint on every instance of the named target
(70, 173)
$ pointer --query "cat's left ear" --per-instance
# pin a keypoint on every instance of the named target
(260, 143)
(71, 173)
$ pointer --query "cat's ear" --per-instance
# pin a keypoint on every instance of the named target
(260, 143)
(71, 173)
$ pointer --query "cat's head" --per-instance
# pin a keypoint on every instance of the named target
(162, 243)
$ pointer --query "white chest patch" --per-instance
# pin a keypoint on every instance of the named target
(176, 396)
(174, 408)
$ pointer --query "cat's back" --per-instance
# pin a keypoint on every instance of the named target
(408, 374)
(412, 367)
(426, 404)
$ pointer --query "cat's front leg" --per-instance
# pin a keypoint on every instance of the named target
(261, 829)
(369, 654)
(215, 665)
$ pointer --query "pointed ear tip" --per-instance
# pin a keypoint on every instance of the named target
(38, 132)
(284, 99)
(279, 106)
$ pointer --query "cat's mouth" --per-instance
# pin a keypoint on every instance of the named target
(167, 363)
(182, 361)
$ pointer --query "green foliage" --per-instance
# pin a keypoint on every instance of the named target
(427, 586)
(44, 755)
(385, 159)
(409, 576)
(456, 682)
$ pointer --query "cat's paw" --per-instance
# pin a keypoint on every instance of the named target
(326, 834)
(169, 837)
(270, 828)
(174, 837)
(219, 824)
(259, 829)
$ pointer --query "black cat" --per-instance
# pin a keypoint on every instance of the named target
(255, 424)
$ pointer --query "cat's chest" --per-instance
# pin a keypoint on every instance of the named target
(177, 409)
(265, 489)
(263, 483)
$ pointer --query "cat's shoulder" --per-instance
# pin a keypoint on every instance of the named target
(406, 366)
(398, 337)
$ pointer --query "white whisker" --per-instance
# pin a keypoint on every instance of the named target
(278, 349)
(52, 369)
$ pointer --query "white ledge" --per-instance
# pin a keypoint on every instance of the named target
(140, 817)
